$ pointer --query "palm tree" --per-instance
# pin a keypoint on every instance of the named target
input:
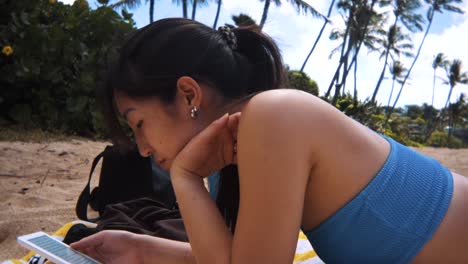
(362, 22)
(319, 35)
(404, 12)
(370, 23)
(298, 4)
(397, 70)
(435, 6)
(454, 77)
(392, 46)
(456, 111)
(439, 62)
(215, 23)
(131, 4)
(196, 3)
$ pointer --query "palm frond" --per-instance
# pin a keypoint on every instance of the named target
(335, 50)
(408, 54)
(306, 8)
(453, 8)
(130, 4)
(439, 60)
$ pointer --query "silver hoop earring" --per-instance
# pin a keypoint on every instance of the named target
(194, 112)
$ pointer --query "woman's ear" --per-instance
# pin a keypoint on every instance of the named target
(189, 91)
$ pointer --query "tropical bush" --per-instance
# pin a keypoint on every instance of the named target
(53, 56)
(301, 81)
(440, 139)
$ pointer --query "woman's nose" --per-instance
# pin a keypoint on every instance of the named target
(144, 148)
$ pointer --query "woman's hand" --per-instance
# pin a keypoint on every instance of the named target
(122, 247)
(111, 247)
(211, 150)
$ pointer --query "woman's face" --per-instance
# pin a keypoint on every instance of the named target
(162, 130)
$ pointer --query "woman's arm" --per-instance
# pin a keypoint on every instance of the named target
(274, 164)
(160, 250)
(122, 247)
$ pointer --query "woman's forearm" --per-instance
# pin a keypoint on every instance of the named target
(160, 250)
(210, 239)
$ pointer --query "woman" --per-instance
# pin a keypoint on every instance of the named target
(197, 100)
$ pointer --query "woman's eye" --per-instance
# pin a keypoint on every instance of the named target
(139, 124)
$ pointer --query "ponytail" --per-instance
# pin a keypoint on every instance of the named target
(267, 70)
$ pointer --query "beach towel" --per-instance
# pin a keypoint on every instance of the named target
(305, 254)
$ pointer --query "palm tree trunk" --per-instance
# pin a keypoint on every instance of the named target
(151, 11)
(343, 80)
(194, 8)
(355, 99)
(343, 61)
(415, 59)
(184, 8)
(391, 93)
(448, 97)
(387, 52)
(433, 87)
(336, 76)
(450, 125)
(217, 14)
(339, 85)
(382, 75)
(265, 13)
(319, 36)
(393, 107)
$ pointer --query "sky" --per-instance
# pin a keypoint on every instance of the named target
(295, 34)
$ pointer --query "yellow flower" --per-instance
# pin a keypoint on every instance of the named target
(52, 1)
(7, 50)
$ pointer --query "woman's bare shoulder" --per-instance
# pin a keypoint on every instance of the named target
(307, 119)
(288, 118)
(290, 107)
(285, 102)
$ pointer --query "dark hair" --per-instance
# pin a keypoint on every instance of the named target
(157, 55)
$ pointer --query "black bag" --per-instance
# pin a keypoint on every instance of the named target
(124, 176)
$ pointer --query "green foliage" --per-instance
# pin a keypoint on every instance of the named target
(366, 112)
(439, 139)
(301, 81)
(59, 54)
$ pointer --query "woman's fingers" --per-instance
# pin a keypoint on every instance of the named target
(233, 124)
(93, 253)
(92, 241)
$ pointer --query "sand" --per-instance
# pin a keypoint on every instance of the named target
(40, 183)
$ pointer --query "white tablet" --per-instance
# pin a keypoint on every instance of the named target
(54, 250)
